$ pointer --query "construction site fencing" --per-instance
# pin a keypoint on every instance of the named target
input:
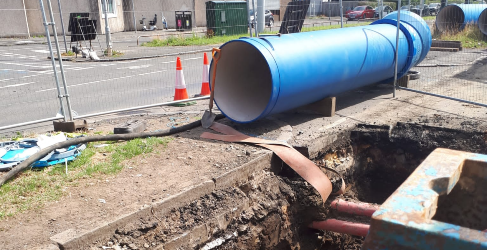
(147, 37)
(452, 69)
(25, 70)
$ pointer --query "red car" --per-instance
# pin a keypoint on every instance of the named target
(360, 12)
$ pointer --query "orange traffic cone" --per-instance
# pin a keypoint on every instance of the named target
(181, 92)
(205, 86)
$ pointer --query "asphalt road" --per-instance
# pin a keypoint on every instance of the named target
(28, 91)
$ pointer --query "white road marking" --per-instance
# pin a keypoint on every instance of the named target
(24, 64)
(41, 51)
(80, 68)
(16, 85)
(18, 70)
(105, 80)
(137, 66)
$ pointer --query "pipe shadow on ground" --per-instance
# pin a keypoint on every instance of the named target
(476, 72)
(343, 101)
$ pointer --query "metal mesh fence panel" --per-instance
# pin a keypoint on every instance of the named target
(147, 37)
(453, 66)
(25, 70)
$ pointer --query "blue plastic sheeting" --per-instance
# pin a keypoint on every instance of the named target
(292, 70)
(14, 153)
(453, 18)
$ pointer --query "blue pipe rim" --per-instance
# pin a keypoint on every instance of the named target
(272, 70)
(406, 33)
(423, 30)
(469, 12)
(479, 23)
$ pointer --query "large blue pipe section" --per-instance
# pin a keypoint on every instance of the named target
(261, 76)
(483, 22)
(455, 17)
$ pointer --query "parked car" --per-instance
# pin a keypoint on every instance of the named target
(417, 10)
(405, 7)
(387, 10)
(434, 8)
(360, 12)
(269, 18)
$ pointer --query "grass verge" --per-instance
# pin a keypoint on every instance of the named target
(190, 41)
(195, 40)
(335, 26)
(69, 53)
(429, 18)
(470, 36)
(35, 188)
(115, 53)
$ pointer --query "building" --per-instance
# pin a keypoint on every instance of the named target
(23, 18)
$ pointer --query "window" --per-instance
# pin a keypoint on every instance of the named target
(111, 8)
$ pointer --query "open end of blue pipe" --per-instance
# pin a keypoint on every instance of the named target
(243, 84)
(483, 22)
(450, 19)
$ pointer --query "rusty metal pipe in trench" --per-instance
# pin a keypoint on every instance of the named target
(347, 227)
(360, 209)
(261, 76)
(340, 226)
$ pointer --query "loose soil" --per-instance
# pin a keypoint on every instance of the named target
(281, 204)
(185, 162)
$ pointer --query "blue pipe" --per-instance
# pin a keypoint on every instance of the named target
(483, 22)
(261, 76)
(453, 18)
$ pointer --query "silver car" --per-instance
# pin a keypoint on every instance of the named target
(387, 10)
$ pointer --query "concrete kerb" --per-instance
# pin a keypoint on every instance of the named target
(71, 239)
(19, 43)
(202, 233)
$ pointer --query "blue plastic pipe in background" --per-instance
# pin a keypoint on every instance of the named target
(261, 76)
(483, 22)
(455, 17)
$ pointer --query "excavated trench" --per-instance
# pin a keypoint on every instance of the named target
(273, 209)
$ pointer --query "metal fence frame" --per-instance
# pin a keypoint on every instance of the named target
(64, 96)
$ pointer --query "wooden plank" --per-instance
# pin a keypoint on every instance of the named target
(444, 49)
(447, 44)
(403, 81)
(325, 107)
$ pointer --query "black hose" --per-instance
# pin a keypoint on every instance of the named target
(118, 137)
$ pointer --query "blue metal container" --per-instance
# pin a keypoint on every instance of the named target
(453, 18)
(257, 77)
